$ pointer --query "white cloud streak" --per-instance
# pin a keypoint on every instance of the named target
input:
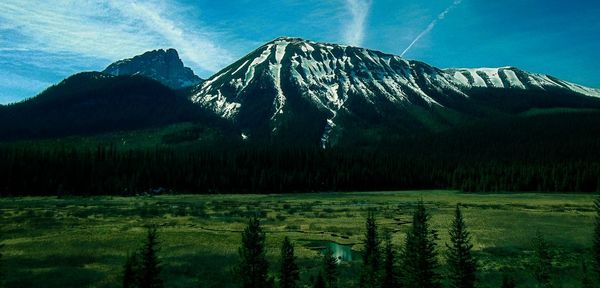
(108, 30)
(354, 32)
(431, 25)
(11, 84)
(15, 81)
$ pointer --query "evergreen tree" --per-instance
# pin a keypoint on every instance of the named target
(330, 269)
(1, 274)
(596, 239)
(131, 271)
(390, 276)
(542, 263)
(253, 268)
(289, 269)
(319, 282)
(508, 281)
(149, 276)
(586, 280)
(106, 169)
(460, 261)
(371, 255)
(420, 264)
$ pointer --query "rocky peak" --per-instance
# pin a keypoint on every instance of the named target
(162, 65)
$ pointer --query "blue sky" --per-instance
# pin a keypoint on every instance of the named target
(42, 42)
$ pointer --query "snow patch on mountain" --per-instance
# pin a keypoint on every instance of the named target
(251, 68)
(513, 80)
(328, 75)
(275, 69)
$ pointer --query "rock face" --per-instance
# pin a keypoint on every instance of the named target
(161, 65)
(318, 91)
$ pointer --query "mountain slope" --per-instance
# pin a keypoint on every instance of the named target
(164, 66)
(93, 102)
(300, 90)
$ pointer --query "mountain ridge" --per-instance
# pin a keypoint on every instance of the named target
(299, 91)
(94, 102)
(327, 80)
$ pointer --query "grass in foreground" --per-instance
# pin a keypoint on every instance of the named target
(83, 242)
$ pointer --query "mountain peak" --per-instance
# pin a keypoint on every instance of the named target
(301, 41)
(288, 39)
(163, 65)
(328, 84)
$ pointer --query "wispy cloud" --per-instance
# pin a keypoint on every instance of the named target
(431, 25)
(354, 32)
(13, 85)
(107, 29)
(198, 46)
(16, 81)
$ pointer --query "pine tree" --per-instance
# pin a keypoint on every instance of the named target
(319, 281)
(542, 263)
(586, 280)
(596, 239)
(131, 271)
(330, 269)
(253, 268)
(420, 264)
(390, 275)
(371, 255)
(508, 281)
(460, 261)
(150, 265)
(1, 268)
(289, 269)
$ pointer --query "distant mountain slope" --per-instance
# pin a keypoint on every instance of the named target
(300, 90)
(164, 66)
(93, 102)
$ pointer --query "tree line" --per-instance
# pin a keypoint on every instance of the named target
(557, 152)
(107, 170)
(415, 265)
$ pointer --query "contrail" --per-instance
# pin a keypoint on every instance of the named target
(431, 25)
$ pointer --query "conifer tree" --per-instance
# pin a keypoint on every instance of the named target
(542, 262)
(371, 256)
(508, 281)
(319, 281)
(131, 271)
(149, 276)
(390, 277)
(586, 280)
(460, 261)
(330, 269)
(596, 239)
(253, 268)
(420, 264)
(289, 273)
(1, 268)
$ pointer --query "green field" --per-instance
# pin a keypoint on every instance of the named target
(82, 242)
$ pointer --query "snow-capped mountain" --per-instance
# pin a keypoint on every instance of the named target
(513, 78)
(164, 66)
(319, 91)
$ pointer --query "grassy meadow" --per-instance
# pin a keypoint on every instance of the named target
(83, 241)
